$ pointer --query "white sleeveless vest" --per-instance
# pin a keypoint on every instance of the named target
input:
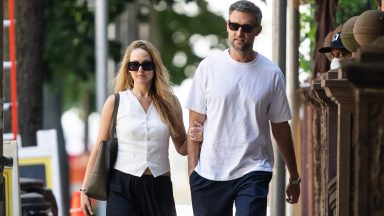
(143, 138)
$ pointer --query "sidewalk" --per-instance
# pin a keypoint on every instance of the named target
(184, 210)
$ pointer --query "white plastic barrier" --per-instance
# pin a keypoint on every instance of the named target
(42, 162)
(11, 178)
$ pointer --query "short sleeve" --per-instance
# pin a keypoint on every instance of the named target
(196, 99)
(279, 110)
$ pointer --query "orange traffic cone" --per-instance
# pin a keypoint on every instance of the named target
(76, 205)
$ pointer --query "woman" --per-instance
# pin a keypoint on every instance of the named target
(148, 114)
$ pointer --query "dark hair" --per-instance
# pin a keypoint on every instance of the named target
(247, 7)
(378, 3)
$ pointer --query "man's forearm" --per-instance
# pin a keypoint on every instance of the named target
(288, 154)
(194, 146)
(282, 134)
(193, 154)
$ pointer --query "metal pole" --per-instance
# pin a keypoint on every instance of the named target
(101, 52)
(2, 206)
(293, 38)
(101, 20)
(1, 85)
(278, 55)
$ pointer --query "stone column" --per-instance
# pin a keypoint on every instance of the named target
(342, 93)
(310, 154)
(322, 146)
(368, 180)
(328, 141)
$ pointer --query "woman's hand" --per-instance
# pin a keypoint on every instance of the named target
(196, 132)
(86, 204)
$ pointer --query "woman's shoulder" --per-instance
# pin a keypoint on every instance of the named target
(110, 102)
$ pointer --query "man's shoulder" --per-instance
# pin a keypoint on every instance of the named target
(268, 64)
(217, 56)
(265, 60)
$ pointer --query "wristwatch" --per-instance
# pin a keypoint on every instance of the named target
(295, 181)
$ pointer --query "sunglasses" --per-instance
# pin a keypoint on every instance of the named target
(146, 66)
(247, 28)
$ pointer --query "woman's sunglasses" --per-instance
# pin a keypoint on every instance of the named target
(247, 28)
(146, 66)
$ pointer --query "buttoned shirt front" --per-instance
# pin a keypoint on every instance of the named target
(143, 138)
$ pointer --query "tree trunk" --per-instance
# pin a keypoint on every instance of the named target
(29, 52)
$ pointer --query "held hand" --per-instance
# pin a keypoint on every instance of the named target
(86, 204)
(196, 132)
(293, 193)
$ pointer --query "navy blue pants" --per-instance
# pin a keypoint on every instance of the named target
(216, 198)
(140, 196)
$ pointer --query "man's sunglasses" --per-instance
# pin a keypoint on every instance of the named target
(247, 28)
(147, 66)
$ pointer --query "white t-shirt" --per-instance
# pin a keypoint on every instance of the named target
(239, 100)
(143, 138)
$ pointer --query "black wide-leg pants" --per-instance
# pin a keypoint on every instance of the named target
(140, 196)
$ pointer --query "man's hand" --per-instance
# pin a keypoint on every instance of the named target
(293, 193)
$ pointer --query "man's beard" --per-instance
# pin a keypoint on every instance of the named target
(244, 47)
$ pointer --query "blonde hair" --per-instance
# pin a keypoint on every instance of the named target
(160, 91)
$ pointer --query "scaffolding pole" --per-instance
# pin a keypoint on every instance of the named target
(2, 187)
(279, 57)
(101, 52)
(293, 41)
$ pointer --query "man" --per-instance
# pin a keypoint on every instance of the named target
(238, 94)
(337, 51)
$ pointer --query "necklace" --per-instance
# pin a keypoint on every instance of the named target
(141, 97)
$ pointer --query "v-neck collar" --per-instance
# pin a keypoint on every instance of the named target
(139, 104)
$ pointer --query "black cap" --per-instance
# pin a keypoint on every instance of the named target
(335, 44)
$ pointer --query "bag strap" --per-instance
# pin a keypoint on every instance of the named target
(112, 128)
